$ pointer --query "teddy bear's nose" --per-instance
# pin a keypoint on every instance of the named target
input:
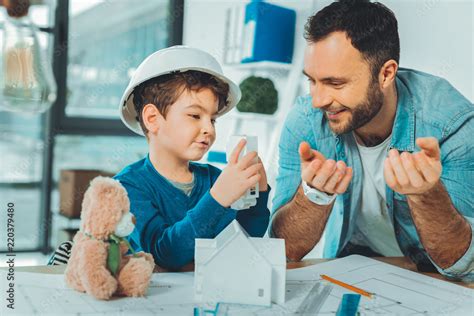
(134, 220)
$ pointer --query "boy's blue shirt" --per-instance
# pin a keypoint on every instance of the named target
(168, 220)
(427, 106)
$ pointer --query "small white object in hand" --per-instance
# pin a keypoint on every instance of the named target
(249, 199)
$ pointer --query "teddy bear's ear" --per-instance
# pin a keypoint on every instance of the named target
(105, 201)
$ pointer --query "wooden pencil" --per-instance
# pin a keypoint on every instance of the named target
(347, 286)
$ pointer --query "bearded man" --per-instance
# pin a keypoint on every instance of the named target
(378, 158)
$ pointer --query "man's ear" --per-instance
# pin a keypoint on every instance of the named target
(151, 118)
(388, 73)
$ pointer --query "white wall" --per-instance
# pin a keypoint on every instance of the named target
(437, 37)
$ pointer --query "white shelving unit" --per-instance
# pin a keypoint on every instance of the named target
(286, 77)
(268, 66)
(238, 118)
(289, 76)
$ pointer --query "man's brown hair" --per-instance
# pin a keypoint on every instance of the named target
(164, 90)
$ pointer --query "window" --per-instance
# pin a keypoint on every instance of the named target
(21, 159)
(100, 62)
(102, 59)
(92, 63)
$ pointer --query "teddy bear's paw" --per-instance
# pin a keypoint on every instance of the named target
(135, 277)
(150, 260)
(147, 256)
(102, 288)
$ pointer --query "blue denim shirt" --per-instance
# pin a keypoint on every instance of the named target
(427, 106)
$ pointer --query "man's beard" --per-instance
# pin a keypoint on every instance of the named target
(362, 113)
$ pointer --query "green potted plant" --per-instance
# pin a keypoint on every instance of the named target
(259, 95)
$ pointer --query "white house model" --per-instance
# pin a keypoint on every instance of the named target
(236, 268)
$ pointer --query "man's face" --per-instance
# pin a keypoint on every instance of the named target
(341, 83)
(188, 130)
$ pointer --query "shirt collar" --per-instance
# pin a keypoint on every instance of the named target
(403, 132)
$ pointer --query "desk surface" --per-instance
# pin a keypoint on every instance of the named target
(401, 262)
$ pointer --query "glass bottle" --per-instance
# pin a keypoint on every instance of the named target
(26, 78)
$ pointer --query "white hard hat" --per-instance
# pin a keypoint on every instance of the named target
(170, 60)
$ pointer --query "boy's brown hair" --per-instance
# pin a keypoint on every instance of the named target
(164, 90)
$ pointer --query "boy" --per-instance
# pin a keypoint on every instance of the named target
(173, 99)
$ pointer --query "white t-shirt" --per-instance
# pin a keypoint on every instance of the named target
(374, 227)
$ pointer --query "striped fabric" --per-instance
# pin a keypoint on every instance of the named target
(62, 254)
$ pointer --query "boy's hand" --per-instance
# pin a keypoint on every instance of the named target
(237, 177)
(326, 175)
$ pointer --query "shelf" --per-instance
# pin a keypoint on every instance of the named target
(247, 116)
(262, 65)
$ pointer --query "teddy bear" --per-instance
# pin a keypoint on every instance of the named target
(99, 264)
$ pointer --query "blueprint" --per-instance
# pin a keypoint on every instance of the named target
(397, 291)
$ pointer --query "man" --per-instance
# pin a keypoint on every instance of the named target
(379, 158)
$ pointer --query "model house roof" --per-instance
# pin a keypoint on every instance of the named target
(264, 247)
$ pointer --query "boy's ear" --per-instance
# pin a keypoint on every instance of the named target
(151, 117)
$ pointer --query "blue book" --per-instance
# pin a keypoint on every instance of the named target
(269, 33)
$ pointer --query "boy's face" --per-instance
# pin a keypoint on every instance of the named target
(188, 130)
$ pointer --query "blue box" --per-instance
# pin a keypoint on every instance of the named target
(269, 33)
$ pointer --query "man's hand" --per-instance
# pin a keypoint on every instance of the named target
(444, 232)
(414, 173)
(237, 177)
(300, 221)
(326, 175)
